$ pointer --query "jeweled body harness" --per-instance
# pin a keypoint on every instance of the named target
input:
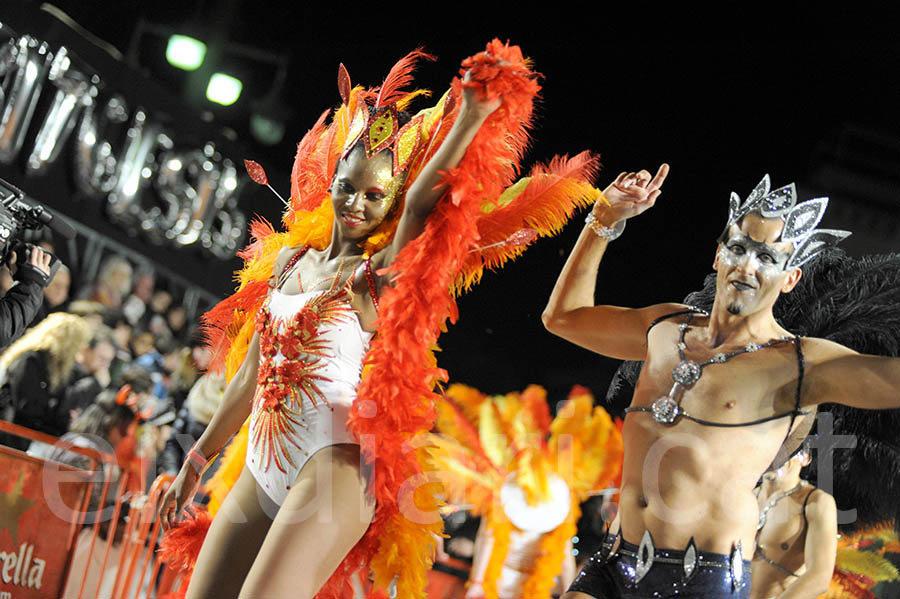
(762, 522)
(667, 409)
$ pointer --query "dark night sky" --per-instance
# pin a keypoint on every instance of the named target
(722, 103)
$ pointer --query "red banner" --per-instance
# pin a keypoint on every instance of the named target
(36, 528)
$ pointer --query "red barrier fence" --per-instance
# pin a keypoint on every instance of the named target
(53, 545)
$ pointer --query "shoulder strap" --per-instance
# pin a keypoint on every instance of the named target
(659, 319)
(801, 369)
(280, 278)
(370, 281)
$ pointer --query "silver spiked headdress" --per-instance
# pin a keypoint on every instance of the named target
(800, 220)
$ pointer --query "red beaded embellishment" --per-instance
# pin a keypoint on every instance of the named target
(370, 281)
(284, 381)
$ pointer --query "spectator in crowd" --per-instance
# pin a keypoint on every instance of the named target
(113, 282)
(162, 358)
(92, 373)
(154, 319)
(182, 374)
(101, 427)
(136, 304)
(36, 370)
(202, 401)
(176, 320)
(142, 343)
(139, 385)
(122, 333)
(56, 294)
(90, 310)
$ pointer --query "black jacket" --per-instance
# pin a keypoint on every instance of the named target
(185, 431)
(28, 398)
(21, 303)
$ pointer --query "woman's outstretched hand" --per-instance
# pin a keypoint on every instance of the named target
(179, 495)
(474, 102)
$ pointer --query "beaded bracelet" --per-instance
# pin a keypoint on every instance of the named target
(608, 233)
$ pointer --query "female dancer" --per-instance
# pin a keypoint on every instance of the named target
(300, 509)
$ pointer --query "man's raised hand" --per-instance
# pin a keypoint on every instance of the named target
(630, 194)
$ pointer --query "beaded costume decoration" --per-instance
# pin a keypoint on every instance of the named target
(291, 351)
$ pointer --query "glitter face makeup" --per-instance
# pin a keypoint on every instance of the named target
(364, 192)
(740, 249)
(751, 265)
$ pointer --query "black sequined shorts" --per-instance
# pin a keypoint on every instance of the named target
(616, 577)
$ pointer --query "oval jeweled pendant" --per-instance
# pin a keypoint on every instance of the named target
(665, 410)
(686, 373)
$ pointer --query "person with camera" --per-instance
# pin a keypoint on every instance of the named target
(23, 300)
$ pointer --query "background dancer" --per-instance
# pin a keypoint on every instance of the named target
(526, 475)
(796, 541)
(852, 302)
(719, 396)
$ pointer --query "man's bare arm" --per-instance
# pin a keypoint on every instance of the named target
(837, 374)
(571, 313)
(820, 549)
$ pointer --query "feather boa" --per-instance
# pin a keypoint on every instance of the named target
(550, 557)
(397, 405)
(501, 531)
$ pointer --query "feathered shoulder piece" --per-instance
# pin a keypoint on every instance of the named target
(586, 444)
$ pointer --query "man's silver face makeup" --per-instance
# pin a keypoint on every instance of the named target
(762, 258)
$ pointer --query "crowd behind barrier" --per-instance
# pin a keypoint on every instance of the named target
(99, 400)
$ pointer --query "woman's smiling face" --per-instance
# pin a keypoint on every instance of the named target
(363, 192)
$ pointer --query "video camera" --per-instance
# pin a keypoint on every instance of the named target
(17, 217)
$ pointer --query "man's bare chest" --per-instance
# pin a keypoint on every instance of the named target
(727, 385)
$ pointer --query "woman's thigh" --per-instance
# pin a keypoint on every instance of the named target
(233, 540)
(326, 512)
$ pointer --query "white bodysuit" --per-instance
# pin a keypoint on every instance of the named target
(327, 364)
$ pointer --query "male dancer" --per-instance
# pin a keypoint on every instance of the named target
(718, 394)
(796, 542)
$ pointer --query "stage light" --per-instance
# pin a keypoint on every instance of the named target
(185, 52)
(223, 89)
(266, 130)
